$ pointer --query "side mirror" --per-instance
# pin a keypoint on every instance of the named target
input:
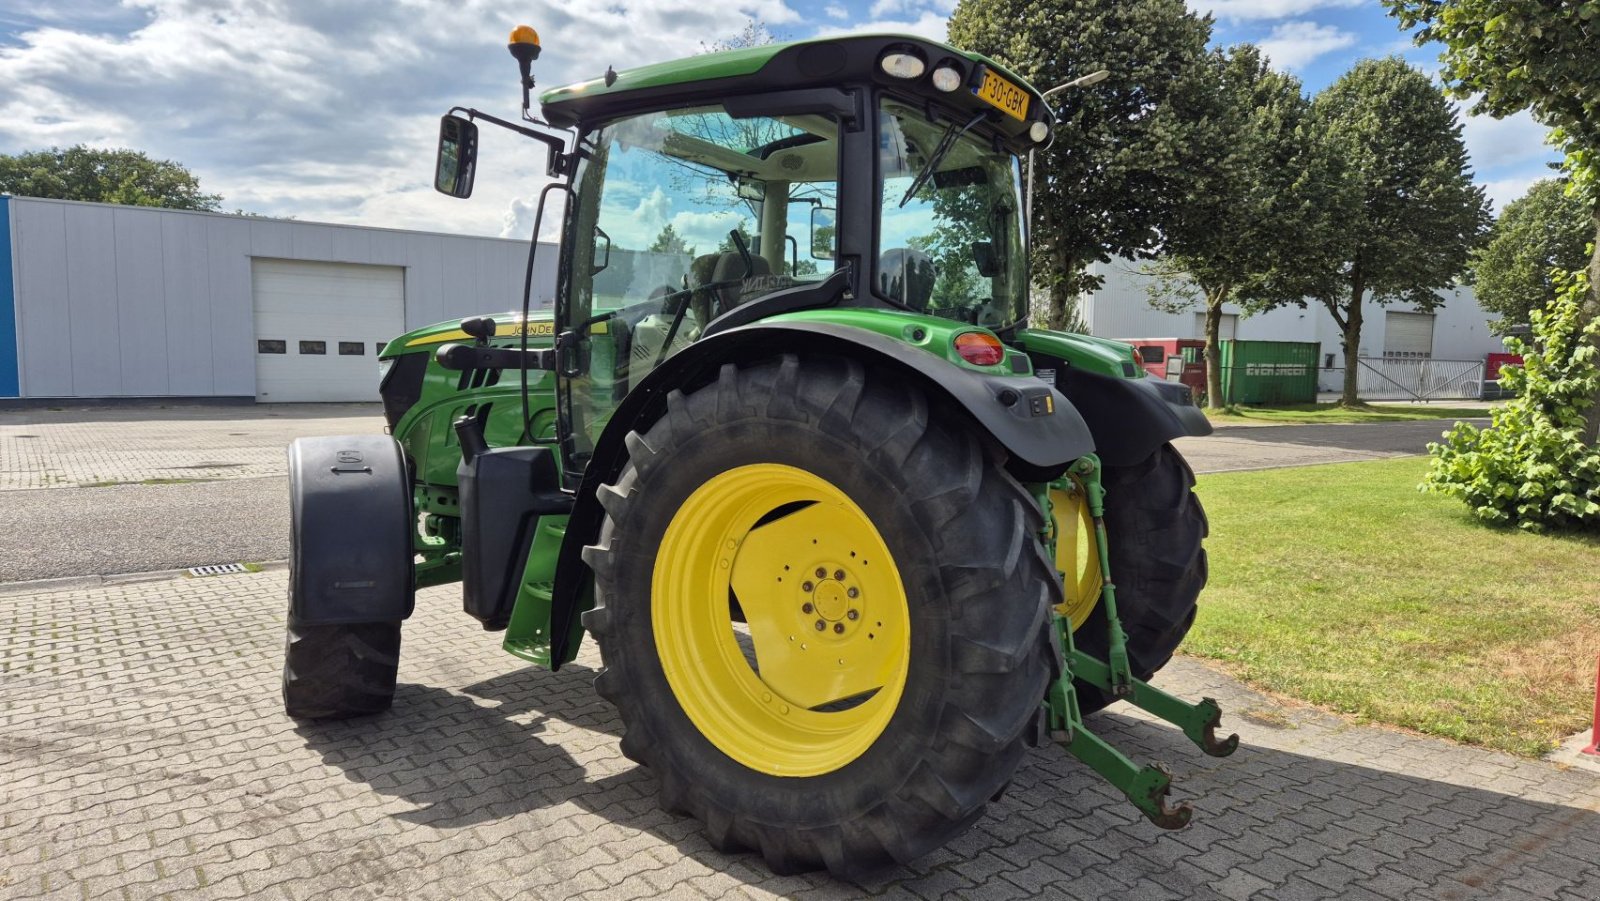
(603, 261)
(458, 157)
(823, 233)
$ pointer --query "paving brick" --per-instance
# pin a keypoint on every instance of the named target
(149, 756)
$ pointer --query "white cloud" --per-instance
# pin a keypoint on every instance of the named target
(835, 11)
(900, 9)
(1502, 191)
(931, 25)
(1240, 10)
(1512, 141)
(325, 112)
(1293, 45)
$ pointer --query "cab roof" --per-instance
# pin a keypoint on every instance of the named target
(813, 63)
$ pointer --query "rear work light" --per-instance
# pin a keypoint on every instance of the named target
(980, 348)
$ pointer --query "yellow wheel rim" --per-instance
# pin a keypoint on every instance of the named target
(1076, 557)
(796, 552)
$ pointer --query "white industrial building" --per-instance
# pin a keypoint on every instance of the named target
(1456, 330)
(108, 301)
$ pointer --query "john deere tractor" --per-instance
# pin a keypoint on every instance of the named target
(842, 524)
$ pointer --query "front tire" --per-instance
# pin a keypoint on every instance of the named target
(337, 672)
(821, 738)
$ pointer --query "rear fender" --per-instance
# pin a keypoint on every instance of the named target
(1039, 429)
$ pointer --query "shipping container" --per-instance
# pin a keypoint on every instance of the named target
(1269, 372)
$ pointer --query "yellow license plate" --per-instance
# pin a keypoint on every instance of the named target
(1005, 96)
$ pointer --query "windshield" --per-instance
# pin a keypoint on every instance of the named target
(679, 217)
(952, 247)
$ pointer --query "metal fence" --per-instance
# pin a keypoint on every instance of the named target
(1391, 378)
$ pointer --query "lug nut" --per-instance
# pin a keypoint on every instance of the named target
(839, 628)
(839, 574)
(806, 607)
(821, 625)
(854, 592)
(853, 615)
(822, 573)
(806, 586)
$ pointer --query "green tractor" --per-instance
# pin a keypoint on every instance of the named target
(841, 523)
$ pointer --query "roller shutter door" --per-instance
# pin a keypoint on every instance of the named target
(1226, 328)
(1408, 335)
(319, 327)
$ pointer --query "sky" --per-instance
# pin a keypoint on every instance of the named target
(328, 111)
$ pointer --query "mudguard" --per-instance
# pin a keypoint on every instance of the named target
(350, 531)
(1130, 418)
(1036, 425)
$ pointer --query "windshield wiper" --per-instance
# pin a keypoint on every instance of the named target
(939, 152)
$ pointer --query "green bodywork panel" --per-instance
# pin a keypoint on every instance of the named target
(1101, 356)
(528, 635)
(426, 431)
(696, 70)
(932, 334)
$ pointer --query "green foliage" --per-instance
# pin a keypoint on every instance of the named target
(1407, 212)
(1115, 169)
(1266, 197)
(1512, 55)
(1530, 467)
(1536, 55)
(1544, 230)
(669, 241)
(103, 176)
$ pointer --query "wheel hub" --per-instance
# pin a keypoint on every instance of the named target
(827, 672)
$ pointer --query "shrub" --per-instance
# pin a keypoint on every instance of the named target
(1530, 467)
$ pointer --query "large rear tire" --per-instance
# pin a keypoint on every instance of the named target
(1156, 529)
(894, 664)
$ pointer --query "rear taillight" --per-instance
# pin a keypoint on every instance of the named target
(980, 348)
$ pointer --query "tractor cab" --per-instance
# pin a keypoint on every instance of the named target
(707, 193)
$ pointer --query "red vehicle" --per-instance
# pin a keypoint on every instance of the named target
(1493, 362)
(1180, 360)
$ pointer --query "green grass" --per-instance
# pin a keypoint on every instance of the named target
(1300, 414)
(1345, 587)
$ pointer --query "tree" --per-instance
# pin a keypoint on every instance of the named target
(1545, 230)
(1413, 216)
(1266, 200)
(104, 176)
(1537, 55)
(669, 241)
(1112, 175)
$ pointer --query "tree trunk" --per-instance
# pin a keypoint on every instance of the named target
(1213, 351)
(1062, 288)
(1352, 343)
(1591, 312)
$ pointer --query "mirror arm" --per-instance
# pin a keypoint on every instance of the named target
(557, 143)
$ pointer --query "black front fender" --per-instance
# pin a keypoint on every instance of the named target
(1130, 418)
(1037, 426)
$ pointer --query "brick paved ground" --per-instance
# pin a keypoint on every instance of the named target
(43, 448)
(143, 752)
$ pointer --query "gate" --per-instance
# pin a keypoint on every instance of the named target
(1392, 378)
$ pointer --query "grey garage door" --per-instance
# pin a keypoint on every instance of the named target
(319, 327)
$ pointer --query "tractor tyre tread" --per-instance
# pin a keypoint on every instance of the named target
(961, 728)
(342, 671)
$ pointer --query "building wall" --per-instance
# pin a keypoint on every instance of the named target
(1121, 309)
(134, 301)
